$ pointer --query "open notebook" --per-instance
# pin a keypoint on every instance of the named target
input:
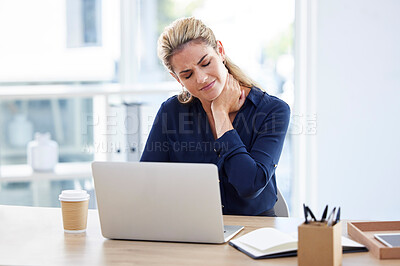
(268, 242)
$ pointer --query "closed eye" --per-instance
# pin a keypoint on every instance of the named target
(206, 64)
(187, 77)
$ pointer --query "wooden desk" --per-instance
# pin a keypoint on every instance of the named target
(34, 236)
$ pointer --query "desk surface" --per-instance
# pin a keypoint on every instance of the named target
(34, 236)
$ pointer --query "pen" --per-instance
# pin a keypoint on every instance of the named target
(311, 213)
(331, 217)
(337, 216)
(305, 214)
(324, 214)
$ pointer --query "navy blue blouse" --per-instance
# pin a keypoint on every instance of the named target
(246, 156)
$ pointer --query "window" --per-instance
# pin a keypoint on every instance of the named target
(83, 23)
(54, 46)
(49, 44)
(51, 41)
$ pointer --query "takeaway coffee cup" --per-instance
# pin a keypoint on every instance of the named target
(74, 206)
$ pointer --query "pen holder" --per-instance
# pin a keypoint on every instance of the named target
(319, 244)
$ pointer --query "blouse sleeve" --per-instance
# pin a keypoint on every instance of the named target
(157, 146)
(250, 171)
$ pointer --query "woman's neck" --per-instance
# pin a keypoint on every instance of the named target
(207, 104)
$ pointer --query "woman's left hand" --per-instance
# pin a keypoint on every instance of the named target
(231, 98)
(229, 101)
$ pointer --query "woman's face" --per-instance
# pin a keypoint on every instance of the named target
(200, 69)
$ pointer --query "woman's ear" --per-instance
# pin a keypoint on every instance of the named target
(176, 77)
(221, 50)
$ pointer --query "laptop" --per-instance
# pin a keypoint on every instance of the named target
(177, 202)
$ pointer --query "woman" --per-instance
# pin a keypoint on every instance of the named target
(221, 117)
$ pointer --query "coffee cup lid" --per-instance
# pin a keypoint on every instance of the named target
(73, 195)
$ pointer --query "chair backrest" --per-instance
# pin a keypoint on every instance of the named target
(281, 208)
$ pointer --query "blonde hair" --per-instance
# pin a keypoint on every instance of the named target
(185, 30)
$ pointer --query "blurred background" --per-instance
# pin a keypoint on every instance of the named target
(87, 72)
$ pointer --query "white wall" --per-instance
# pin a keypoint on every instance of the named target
(358, 107)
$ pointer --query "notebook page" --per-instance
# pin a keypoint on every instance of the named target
(266, 238)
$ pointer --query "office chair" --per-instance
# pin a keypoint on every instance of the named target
(281, 208)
